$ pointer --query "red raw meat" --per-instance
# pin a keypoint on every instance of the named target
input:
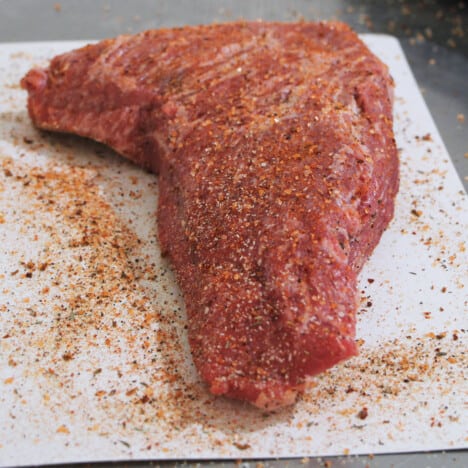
(277, 175)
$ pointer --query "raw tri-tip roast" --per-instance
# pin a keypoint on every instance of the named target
(277, 176)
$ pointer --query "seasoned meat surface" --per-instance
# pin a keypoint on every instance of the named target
(277, 175)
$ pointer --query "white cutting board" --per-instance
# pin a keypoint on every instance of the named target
(94, 363)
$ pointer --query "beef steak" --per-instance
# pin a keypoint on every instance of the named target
(277, 175)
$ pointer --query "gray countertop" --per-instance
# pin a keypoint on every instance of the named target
(434, 36)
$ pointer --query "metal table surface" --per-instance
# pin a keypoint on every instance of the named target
(434, 36)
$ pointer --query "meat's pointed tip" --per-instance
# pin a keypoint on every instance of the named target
(35, 80)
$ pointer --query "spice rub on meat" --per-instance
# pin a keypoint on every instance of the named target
(277, 175)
